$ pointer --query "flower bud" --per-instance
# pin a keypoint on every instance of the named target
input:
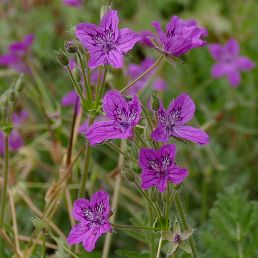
(155, 104)
(128, 98)
(77, 75)
(70, 47)
(62, 58)
(129, 175)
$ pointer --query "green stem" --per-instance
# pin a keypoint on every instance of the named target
(86, 80)
(44, 245)
(159, 247)
(149, 201)
(184, 223)
(143, 74)
(167, 206)
(85, 171)
(5, 184)
(133, 227)
(139, 138)
(151, 234)
(101, 87)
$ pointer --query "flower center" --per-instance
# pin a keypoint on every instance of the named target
(177, 238)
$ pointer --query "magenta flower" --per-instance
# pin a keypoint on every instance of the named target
(158, 167)
(15, 138)
(123, 116)
(73, 3)
(229, 62)
(17, 51)
(106, 43)
(180, 37)
(135, 70)
(172, 120)
(146, 37)
(93, 216)
(159, 84)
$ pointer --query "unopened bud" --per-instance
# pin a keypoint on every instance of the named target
(128, 98)
(155, 104)
(129, 175)
(62, 58)
(77, 75)
(71, 47)
(153, 195)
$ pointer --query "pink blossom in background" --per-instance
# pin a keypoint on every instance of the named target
(106, 43)
(180, 36)
(146, 37)
(229, 62)
(73, 3)
(159, 168)
(17, 51)
(159, 84)
(171, 122)
(93, 216)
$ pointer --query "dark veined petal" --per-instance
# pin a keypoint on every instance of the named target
(161, 34)
(134, 110)
(167, 152)
(148, 156)
(181, 110)
(162, 185)
(115, 105)
(109, 24)
(149, 179)
(115, 58)
(80, 206)
(100, 201)
(78, 233)
(97, 58)
(127, 39)
(190, 133)
(160, 134)
(177, 175)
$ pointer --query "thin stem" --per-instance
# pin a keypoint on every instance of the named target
(5, 173)
(159, 247)
(139, 138)
(86, 80)
(184, 223)
(143, 74)
(101, 88)
(44, 244)
(133, 227)
(167, 205)
(85, 170)
(148, 199)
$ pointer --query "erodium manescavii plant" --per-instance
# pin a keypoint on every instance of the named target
(118, 106)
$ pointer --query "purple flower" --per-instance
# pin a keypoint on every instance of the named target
(180, 37)
(158, 167)
(71, 99)
(93, 216)
(106, 43)
(146, 37)
(123, 116)
(159, 84)
(15, 138)
(16, 55)
(229, 62)
(172, 120)
(135, 70)
(73, 3)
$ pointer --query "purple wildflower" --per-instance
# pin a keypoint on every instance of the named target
(106, 43)
(146, 37)
(229, 62)
(93, 216)
(180, 37)
(135, 70)
(17, 52)
(158, 167)
(15, 138)
(159, 84)
(172, 120)
(123, 117)
(73, 3)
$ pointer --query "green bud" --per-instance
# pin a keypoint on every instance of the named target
(155, 104)
(19, 84)
(128, 98)
(62, 58)
(70, 47)
(77, 74)
(129, 175)
(153, 195)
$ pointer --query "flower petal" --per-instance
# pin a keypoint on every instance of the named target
(161, 34)
(216, 51)
(232, 47)
(234, 77)
(168, 151)
(149, 179)
(15, 140)
(115, 58)
(79, 208)
(177, 175)
(109, 24)
(181, 110)
(127, 39)
(78, 233)
(162, 185)
(148, 156)
(244, 63)
(97, 58)
(100, 201)
(134, 110)
(69, 99)
(160, 134)
(191, 134)
(218, 70)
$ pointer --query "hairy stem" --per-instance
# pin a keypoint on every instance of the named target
(100, 89)
(143, 74)
(182, 216)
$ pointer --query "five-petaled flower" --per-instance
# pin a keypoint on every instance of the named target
(93, 216)
(158, 167)
(17, 51)
(123, 116)
(180, 37)
(106, 43)
(171, 122)
(229, 62)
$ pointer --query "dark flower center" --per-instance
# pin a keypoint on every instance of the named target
(177, 238)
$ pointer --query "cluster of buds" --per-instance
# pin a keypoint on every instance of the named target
(7, 103)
